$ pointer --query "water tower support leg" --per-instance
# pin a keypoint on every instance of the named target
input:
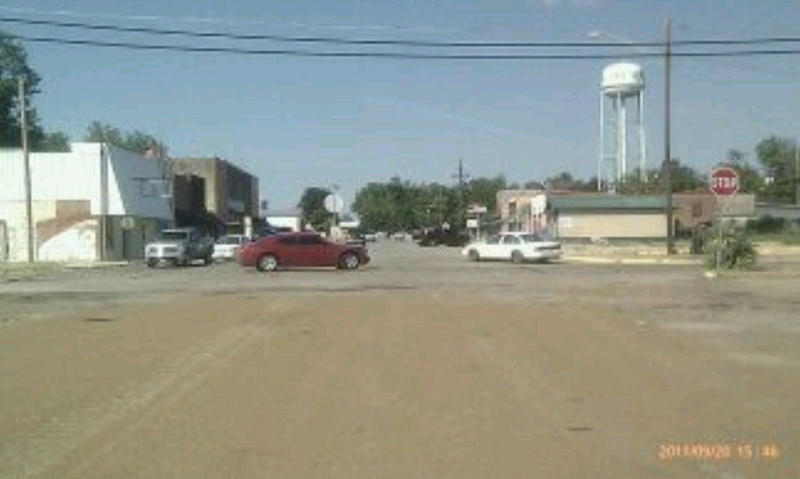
(602, 145)
(642, 142)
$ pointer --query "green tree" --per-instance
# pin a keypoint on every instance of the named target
(55, 141)
(750, 180)
(376, 207)
(135, 141)
(313, 205)
(13, 65)
(483, 191)
(777, 156)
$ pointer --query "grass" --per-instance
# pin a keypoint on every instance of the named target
(23, 271)
(787, 238)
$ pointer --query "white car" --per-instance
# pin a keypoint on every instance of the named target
(516, 247)
(227, 246)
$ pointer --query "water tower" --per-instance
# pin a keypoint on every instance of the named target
(623, 85)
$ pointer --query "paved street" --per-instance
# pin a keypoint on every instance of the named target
(420, 365)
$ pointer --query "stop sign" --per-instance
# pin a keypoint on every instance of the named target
(724, 181)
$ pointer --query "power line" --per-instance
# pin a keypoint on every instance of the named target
(378, 42)
(388, 55)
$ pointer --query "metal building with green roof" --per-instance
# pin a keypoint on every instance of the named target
(607, 216)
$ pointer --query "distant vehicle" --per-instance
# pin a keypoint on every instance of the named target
(370, 237)
(516, 247)
(179, 246)
(300, 249)
(441, 236)
(227, 246)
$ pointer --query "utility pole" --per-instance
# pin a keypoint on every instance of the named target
(23, 126)
(667, 132)
(797, 174)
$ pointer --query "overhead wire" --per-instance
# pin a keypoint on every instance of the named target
(385, 42)
(389, 55)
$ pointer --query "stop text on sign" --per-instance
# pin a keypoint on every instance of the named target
(724, 181)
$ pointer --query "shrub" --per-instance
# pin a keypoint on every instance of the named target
(767, 224)
(735, 249)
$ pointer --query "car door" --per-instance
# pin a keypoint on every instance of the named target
(489, 249)
(310, 250)
(288, 250)
(509, 244)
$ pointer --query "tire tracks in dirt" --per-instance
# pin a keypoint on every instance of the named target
(40, 452)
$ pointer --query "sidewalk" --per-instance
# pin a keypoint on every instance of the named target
(665, 260)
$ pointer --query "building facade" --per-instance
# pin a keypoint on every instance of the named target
(609, 216)
(231, 194)
(291, 218)
(96, 202)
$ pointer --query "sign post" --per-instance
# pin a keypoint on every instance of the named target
(724, 183)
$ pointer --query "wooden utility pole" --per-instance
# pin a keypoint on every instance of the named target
(23, 126)
(667, 132)
(797, 174)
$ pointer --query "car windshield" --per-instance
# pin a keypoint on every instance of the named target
(173, 235)
(228, 240)
(532, 238)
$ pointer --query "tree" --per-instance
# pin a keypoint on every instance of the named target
(750, 180)
(55, 141)
(13, 65)
(376, 207)
(135, 141)
(777, 156)
(483, 191)
(313, 205)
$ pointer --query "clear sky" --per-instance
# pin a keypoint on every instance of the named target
(298, 122)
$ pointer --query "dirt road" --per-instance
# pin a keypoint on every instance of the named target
(475, 372)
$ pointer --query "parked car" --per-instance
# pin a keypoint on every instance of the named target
(441, 236)
(179, 246)
(516, 247)
(227, 246)
(300, 249)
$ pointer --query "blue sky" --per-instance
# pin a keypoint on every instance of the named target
(298, 122)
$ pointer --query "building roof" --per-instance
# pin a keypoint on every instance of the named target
(608, 202)
(284, 212)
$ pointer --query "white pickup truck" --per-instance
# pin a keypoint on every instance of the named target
(179, 246)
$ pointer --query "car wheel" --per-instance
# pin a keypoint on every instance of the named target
(517, 257)
(474, 255)
(350, 261)
(268, 262)
(207, 260)
(152, 263)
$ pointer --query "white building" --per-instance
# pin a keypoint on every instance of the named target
(78, 195)
(289, 218)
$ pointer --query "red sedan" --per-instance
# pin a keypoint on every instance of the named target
(300, 249)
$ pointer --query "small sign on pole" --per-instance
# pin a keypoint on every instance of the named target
(724, 182)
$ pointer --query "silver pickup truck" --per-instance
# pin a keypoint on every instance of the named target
(179, 246)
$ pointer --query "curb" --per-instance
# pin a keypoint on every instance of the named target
(640, 261)
(96, 265)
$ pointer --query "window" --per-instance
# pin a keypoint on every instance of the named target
(511, 239)
(531, 238)
(309, 240)
(495, 239)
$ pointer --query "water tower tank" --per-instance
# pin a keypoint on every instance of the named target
(623, 78)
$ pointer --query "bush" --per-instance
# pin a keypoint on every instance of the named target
(736, 249)
(767, 224)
